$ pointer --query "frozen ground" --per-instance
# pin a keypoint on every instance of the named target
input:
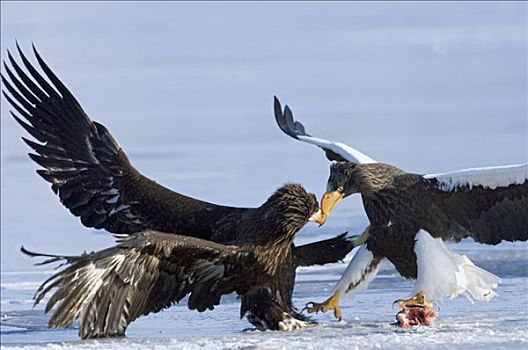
(498, 324)
(187, 91)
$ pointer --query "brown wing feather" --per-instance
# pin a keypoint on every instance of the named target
(323, 252)
(145, 273)
(83, 162)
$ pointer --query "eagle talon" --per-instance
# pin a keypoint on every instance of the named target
(310, 307)
(313, 307)
(331, 303)
(417, 300)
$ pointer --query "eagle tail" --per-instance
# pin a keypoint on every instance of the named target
(86, 287)
(445, 274)
(476, 283)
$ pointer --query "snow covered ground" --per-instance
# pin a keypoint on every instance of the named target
(187, 91)
(498, 324)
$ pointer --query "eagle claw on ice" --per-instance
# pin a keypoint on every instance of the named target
(331, 303)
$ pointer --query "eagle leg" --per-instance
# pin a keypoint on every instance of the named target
(331, 303)
(265, 312)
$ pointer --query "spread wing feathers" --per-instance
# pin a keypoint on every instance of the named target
(144, 273)
(324, 252)
(80, 158)
(334, 150)
(488, 204)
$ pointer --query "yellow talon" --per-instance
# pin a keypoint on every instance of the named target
(416, 300)
(331, 303)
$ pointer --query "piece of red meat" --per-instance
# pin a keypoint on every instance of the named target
(415, 315)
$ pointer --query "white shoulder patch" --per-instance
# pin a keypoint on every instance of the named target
(445, 274)
(359, 273)
(349, 153)
(490, 177)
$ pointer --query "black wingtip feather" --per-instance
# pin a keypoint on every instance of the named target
(30, 91)
(35, 146)
(63, 90)
(281, 119)
(34, 254)
(52, 258)
(81, 159)
(286, 122)
(28, 252)
(37, 76)
(21, 100)
(33, 132)
(288, 117)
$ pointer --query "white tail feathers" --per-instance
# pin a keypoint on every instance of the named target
(476, 283)
(444, 274)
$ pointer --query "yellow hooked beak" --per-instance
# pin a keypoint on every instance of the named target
(329, 201)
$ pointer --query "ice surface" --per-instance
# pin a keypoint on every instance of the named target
(187, 91)
(500, 323)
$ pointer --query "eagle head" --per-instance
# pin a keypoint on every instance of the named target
(289, 209)
(348, 178)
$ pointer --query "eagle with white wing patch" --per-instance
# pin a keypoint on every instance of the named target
(411, 215)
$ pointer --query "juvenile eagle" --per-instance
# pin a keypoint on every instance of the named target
(411, 216)
(171, 245)
(150, 270)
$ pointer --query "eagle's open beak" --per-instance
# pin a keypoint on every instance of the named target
(329, 201)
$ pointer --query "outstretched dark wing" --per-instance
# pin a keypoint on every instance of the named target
(145, 273)
(324, 252)
(334, 150)
(488, 204)
(83, 162)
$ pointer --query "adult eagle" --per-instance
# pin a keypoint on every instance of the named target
(171, 244)
(411, 216)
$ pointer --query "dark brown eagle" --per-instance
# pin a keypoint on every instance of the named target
(170, 245)
(411, 216)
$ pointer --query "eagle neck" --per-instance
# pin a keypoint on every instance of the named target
(273, 254)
